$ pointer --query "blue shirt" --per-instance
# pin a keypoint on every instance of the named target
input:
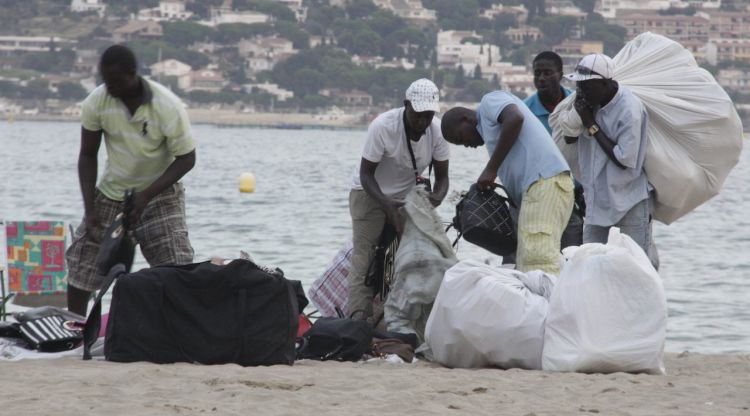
(540, 111)
(534, 155)
(610, 191)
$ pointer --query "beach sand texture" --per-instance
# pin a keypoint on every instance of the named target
(696, 384)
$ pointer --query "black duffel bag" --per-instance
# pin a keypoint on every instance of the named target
(483, 218)
(202, 313)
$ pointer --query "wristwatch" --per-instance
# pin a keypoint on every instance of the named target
(593, 129)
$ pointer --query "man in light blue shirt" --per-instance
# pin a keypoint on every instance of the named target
(548, 72)
(611, 153)
(529, 164)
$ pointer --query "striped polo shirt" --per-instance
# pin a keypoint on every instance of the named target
(141, 147)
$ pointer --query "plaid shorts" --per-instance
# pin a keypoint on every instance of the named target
(161, 232)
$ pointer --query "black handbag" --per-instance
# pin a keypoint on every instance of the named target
(50, 329)
(483, 218)
(117, 246)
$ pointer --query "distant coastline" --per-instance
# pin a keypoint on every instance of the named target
(232, 118)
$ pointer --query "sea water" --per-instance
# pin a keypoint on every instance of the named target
(298, 216)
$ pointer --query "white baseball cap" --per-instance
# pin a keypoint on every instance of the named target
(423, 95)
(593, 66)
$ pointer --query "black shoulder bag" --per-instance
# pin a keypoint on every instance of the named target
(483, 218)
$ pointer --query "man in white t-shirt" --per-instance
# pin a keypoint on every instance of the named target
(387, 172)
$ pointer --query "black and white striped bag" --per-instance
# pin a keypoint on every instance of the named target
(49, 334)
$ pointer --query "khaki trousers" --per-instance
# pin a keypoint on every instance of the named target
(368, 219)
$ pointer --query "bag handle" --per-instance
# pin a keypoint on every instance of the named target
(94, 320)
(507, 194)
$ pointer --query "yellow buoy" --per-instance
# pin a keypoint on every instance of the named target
(247, 182)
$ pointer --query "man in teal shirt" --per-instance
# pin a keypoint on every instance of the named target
(548, 72)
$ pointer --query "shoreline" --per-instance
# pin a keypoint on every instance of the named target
(695, 384)
(234, 119)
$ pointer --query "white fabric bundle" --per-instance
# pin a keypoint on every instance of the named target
(424, 254)
(695, 134)
(608, 311)
(489, 317)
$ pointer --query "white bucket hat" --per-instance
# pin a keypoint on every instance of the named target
(593, 66)
(424, 95)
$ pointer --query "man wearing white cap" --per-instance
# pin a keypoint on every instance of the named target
(611, 153)
(400, 144)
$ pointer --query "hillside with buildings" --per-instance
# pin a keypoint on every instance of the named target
(330, 58)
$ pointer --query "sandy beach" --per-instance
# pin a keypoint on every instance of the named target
(695, 385)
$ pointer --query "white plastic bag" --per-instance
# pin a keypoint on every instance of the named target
(485, 316)
(695, 134)
(424, 254)
(608, 311)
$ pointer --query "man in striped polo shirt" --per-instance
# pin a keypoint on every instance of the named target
(149, 148)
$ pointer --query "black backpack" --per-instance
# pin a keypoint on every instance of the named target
(483, 218)
(202, 313)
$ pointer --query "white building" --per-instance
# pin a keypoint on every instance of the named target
(167, 10)
(34, 43)
(519, 12)
(263, 53)
(222, 15)
(610, 8)
(465, 49)
(517, 78)
(300, 11)
(173, 68)
(273, 89)
(734, 80)
(412, 10)
(84, 6)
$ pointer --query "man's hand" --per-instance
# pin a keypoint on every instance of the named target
(486, 179)
(139, 204)
(93, 227)
(393, 212)
(435, 199)
(585, 111)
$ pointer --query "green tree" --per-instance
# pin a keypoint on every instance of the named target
(38, 88)
(556, 28)
(459, 78)
(357, 9)
(186, 33)
(234, 32)
(271, 8)
(308, 81)
(612, 36)
(455, 14)
(71, 91)
(300, 39)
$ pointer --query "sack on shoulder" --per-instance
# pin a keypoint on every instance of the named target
(341, 339)
(483, 218)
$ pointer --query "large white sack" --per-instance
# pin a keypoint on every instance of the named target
(424, 254)
(608, 311)
(695, 134)
(485, 316)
